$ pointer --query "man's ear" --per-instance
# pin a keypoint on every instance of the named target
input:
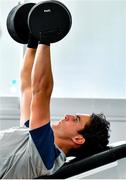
(79, 139)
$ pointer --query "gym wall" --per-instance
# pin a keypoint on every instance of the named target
(90, 62)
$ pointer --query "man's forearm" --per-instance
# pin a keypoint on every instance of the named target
(25, 85)
(42, 79)
(26, 69)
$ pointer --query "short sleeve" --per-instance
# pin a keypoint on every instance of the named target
(43, 139)
(26, 124)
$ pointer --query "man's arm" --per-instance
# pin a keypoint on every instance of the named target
(42, 85)
(25, 85)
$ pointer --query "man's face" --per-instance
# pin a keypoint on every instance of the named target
(69, 126)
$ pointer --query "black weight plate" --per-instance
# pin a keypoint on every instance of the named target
(17, 22)
(52, 18)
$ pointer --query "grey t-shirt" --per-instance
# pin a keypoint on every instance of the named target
(27, 154)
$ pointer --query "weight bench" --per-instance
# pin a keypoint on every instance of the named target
(110, 163)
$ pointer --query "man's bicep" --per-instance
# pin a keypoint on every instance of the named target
(40, 110)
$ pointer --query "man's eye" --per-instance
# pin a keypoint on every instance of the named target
(77, 119)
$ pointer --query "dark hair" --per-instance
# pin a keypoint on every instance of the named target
(96, 136)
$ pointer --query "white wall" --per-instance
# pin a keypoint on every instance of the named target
(89, 62)
(10, 53)
(93, 62)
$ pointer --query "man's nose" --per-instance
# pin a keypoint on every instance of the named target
(69, 117)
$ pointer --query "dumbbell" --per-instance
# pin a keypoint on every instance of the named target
(51, 18)
(17, 25)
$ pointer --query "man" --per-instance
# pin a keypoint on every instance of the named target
(42, 149)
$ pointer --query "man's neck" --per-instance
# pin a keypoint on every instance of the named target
(62, 144)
